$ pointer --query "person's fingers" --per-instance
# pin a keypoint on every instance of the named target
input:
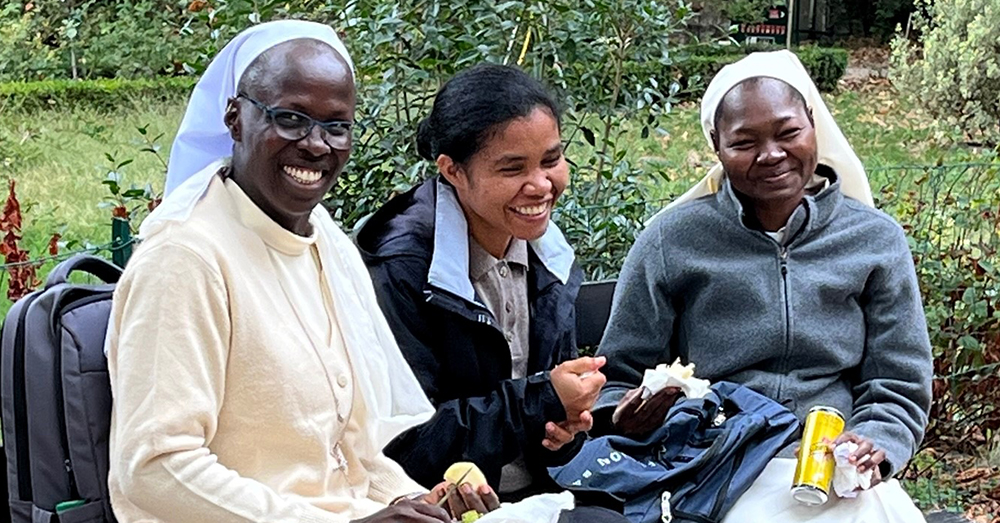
(647, 420)
(489, 497)
(594, 381)
(419, 512)
(844, 437)
(555, 437)
(877, 471)
(584, 364)
(583, 423)
(872, 463)
(667, 392)
(456, 503)
(667, 397)
(655, 410)
(633, 400)
(627, 406)
(864, 449)
(646, 415)
(431, 513)
(436, 493)
(472, 499)
(557, 434)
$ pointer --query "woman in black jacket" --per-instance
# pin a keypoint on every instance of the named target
(479, 287)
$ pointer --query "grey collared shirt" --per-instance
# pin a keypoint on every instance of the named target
(503, 286)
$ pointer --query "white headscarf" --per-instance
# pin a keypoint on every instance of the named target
(203, 136)
(832, 147)
(393, 396)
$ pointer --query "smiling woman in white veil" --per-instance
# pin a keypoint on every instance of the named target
(254, 377)
(777, 273)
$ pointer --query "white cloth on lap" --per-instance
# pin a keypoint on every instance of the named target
(769, 500)
(543, 508)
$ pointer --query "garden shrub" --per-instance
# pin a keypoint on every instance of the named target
(953, 68)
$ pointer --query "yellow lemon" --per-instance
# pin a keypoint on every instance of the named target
(473, 476)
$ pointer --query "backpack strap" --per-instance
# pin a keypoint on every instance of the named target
(99, 267)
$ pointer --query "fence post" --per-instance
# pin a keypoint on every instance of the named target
(121, 241)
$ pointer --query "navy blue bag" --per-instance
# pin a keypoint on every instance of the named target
(705, 456)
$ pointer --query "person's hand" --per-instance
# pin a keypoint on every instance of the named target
(634, 417)
(559, 434)
(866, 457)
(464, 499)
(408, 511)
(577, 383)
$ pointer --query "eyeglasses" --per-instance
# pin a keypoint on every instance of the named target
(294, 126)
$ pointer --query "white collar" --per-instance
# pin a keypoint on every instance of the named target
(449, 268)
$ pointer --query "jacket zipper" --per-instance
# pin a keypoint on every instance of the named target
(783, 264)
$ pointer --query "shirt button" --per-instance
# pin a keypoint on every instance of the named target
(504, 271)
(508, 307)
(509, 337)
(342, 380)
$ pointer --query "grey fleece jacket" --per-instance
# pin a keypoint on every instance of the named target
(831, 317)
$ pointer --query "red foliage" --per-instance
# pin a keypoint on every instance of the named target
(54, 244)
(22, 275)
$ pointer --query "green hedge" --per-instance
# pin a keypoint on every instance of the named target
(696, 66)
(105, 93)
(693, 66)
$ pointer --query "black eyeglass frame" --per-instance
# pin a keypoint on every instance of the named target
(329, 128)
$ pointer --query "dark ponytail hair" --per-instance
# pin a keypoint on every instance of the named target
(474, 105)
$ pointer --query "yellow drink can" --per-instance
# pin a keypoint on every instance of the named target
(814, 470)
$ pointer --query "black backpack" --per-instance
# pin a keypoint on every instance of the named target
(57, 397)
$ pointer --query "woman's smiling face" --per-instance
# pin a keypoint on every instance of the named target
(766, 141)
(509, 187)
(288, 178)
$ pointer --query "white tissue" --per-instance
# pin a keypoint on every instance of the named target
(846, 478)
(665, 375)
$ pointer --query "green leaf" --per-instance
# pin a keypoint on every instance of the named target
(969, 296)
(968, 343)
(134, 193)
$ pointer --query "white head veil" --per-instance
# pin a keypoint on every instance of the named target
(203, 139)
(393, 398)
(832, 147)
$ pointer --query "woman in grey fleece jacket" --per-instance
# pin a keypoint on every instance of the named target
(780, 282)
